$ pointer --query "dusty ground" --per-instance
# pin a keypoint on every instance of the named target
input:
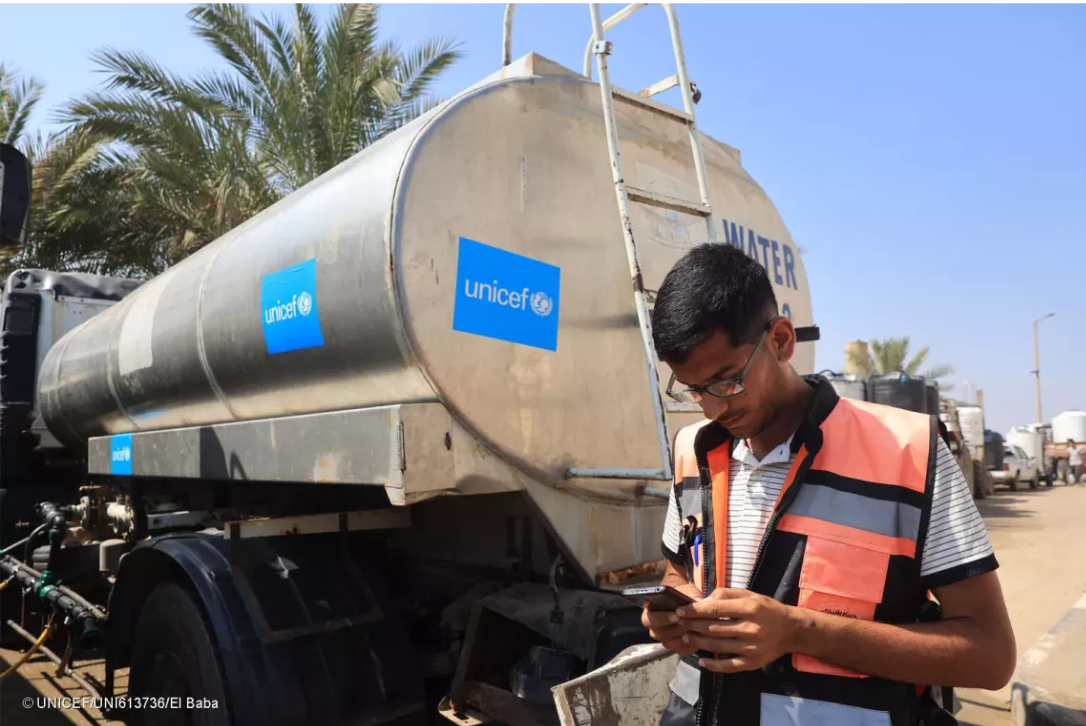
(1040, 541)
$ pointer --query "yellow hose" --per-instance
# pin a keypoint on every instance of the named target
(33, 649)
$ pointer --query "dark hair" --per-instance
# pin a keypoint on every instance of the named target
(713, 288)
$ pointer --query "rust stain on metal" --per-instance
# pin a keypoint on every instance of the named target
(626, 574)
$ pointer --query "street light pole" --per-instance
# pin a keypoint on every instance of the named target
(1037, 365)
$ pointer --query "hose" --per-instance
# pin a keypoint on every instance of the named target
(82, 615)
(33, 649)
(5, 582)
(24, 540)
(44, 650)
(22, 571)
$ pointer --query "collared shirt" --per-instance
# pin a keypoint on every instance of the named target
(956, 546)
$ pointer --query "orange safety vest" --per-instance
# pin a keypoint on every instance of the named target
(845, 538)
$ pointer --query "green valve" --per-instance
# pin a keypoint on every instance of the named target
(45, 584)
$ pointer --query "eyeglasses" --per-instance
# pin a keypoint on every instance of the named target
(721, 389)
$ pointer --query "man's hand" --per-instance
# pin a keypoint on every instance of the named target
(748, 630)
(664, 625)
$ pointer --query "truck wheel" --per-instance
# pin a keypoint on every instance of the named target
(173, 658)
(1035, 482)
(1013, 484)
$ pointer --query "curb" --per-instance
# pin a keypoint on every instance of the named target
(1031, 703)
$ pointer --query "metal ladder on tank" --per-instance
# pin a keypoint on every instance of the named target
(600, 47)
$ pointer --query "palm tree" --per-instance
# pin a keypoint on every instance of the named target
(83, 217)
(17, 100)
(205, 154)
(892, 355)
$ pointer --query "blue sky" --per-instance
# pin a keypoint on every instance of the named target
(930, 160)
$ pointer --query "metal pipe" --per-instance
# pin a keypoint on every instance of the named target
(643, 318)
(24, 540)
(35, 645)
(507, 35)
(654, 474)
(94, 609)
(75, 606)
(607, 24)
(1037, 364)
(91, 691)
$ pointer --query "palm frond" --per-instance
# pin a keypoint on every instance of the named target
(419, 69)
(936, 372)
(917, 360)
(18, 97)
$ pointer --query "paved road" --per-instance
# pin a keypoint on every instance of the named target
(1040, 541)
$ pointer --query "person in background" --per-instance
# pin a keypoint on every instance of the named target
(810, 529)
(1074, 460)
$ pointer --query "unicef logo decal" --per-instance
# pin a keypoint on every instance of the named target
(542, 305)
(305, 303)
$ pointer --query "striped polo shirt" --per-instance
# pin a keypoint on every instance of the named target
(956, 546)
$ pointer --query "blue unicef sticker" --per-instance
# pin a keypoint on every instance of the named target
(120, 454)
(506, 296)
(288, 308)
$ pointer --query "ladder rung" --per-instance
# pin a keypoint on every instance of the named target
(660, 86)
(647, 103)
(664, 201)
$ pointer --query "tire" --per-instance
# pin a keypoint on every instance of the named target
(1013, 483)
(173, 657)
(1035, 482)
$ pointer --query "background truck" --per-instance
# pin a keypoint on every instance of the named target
(384, 452)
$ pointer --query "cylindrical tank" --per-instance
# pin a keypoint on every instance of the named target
(1031, 439)
(971, 419)
(1069, 425)
(474, 257)
(931, 397)
(899, 390)
(848, 386)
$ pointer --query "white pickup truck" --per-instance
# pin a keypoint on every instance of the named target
(1018, 466)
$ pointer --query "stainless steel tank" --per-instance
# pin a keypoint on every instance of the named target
(474, 257)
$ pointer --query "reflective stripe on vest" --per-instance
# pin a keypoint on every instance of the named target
(852, 505)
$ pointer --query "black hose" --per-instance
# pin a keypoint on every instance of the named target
(81, 613)
(24, 540)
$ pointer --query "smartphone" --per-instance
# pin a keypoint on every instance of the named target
(660, 597)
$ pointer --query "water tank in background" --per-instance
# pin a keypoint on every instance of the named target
(932, 397)
(1069, 425)
(971, 419)
(847, 386)
(1030, 439)
(993, 450)
(899, 390)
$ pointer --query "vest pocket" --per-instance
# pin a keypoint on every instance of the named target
(839, 579)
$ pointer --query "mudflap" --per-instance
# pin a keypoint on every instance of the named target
(304, 631)
(631, 690)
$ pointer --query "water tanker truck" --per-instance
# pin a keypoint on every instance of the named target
(386, 451)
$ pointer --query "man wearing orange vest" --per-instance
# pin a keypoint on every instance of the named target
(812, 530)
